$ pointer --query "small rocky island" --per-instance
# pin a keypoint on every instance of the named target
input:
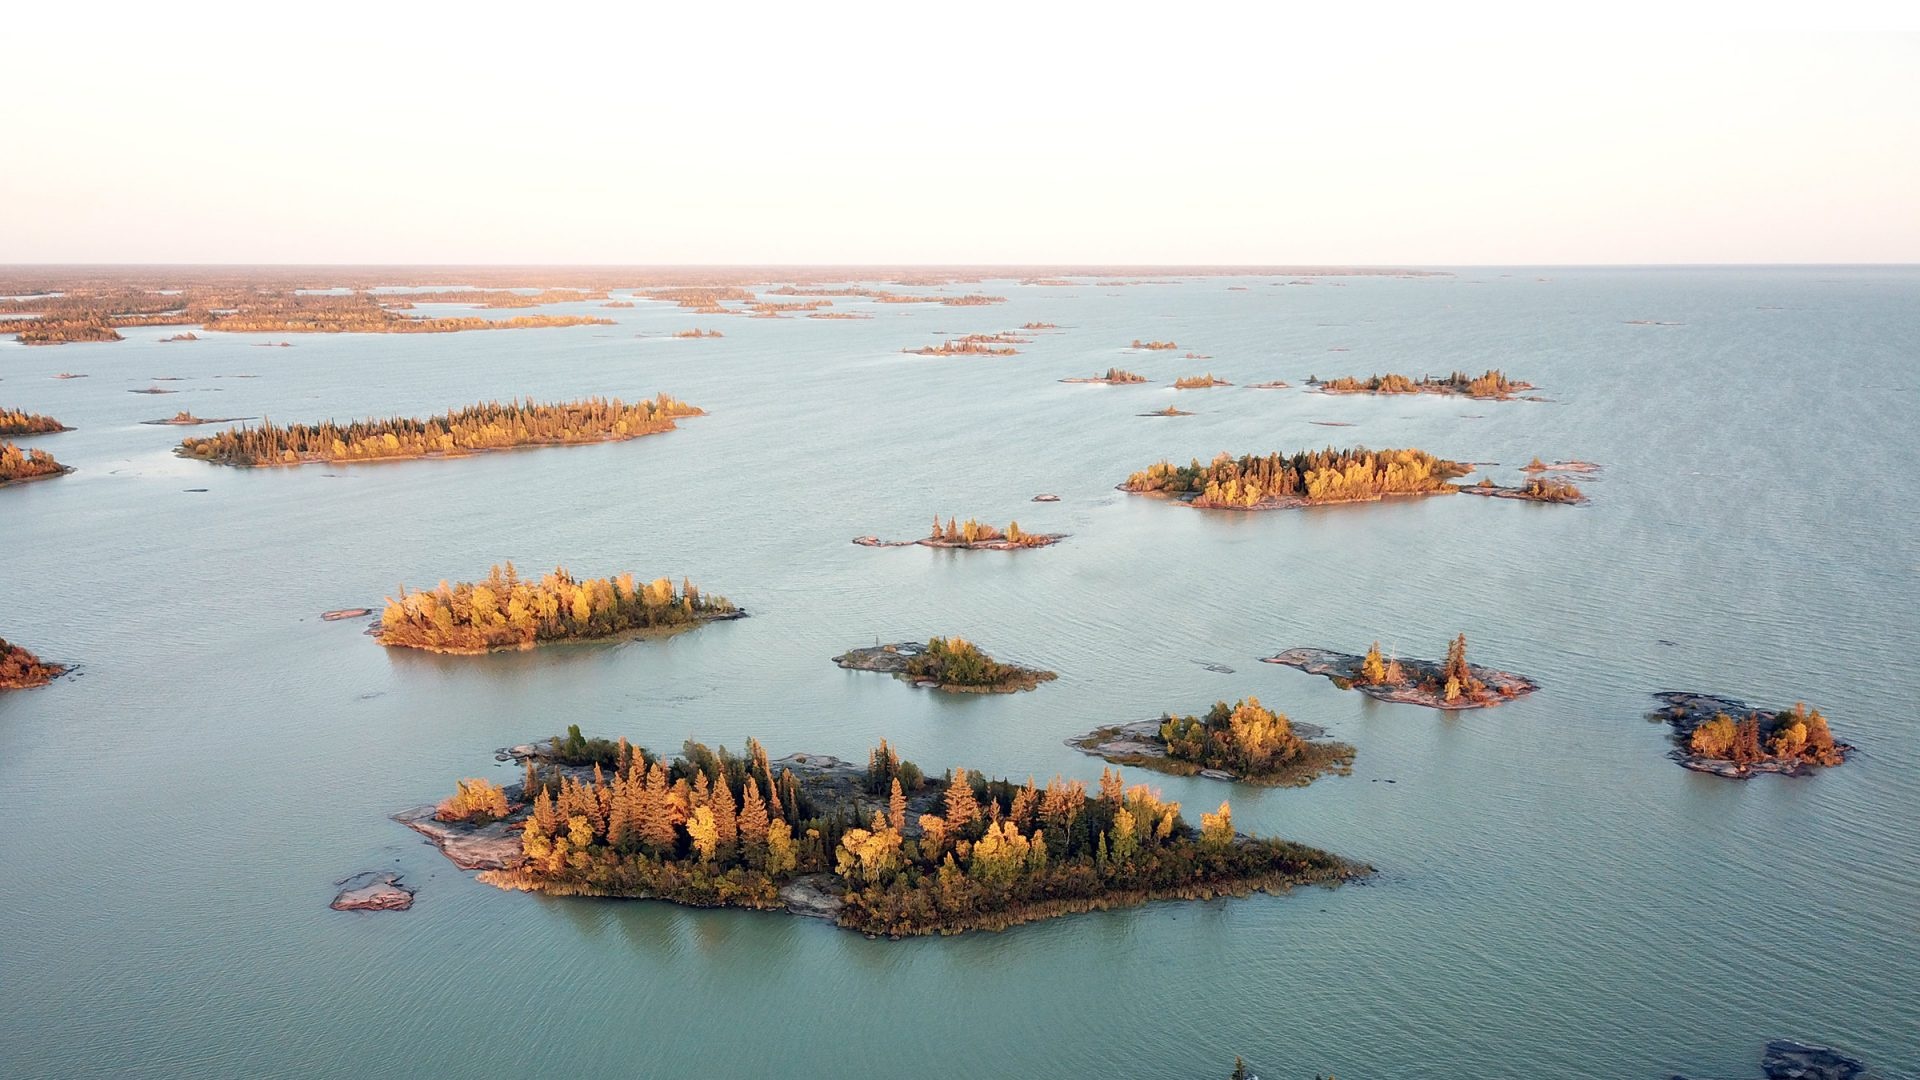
(1727, 737)
(1199, 382)
(1152, 346)
(882, 849)
(971, 535)
(1168, 411)
(1293, 481)
(1452, 684)
(508, 612)
(20, 422)
(19, 466)
(1243, 741)
(21, 670)
(1492, 386)
(955, 665)
(183, 418)
(1114, 377)
(373, 890)
(1536, 489)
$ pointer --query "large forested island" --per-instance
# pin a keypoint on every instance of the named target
(474, 429)
(20, 422)
(953, 664)
(18, 466)
(971, 535)
(1451, 684)
(880, 849)
(1494, 385)
(21, 670)
(1308, 478)
(508, 612)
(1727, 737)
(1243, 741)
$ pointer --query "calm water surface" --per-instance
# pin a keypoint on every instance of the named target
(1555, 897)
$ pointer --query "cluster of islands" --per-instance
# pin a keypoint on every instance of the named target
(883, 849)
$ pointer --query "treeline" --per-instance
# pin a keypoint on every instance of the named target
(1798, 734)
(978, 532)
(59, 331)
(1493, 384)
(1250, 741)
(1312, 476)
(488, 426)
(506, 611)
(21, 670)
(711, 829)
(18, 422)
(959, 662)
(17, 464)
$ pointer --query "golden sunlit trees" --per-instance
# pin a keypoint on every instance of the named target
(1798, 735)
(998, 854)
(475, 801)
(957, 662)
(1306, 478)
(20, 422)
(1493, 384)
(472, 617)
(1250, 741)
(20, 465)
(21, 670)
(476, 428)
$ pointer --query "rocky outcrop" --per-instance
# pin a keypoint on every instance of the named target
(372, 890)
(1787, 1059)
(494, 846)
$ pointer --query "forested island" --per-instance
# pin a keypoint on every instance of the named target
(698, 333)
(1494, 385)
(1308, 478)
(20, 422)
(971, 535)
(1535, 489)
(1450, 684)
(474, 429)
(952, 664)
(18, 466)
(1152, 346)
(1243, 741)
(881, 849)
(507, 612)
(1199, 382)
(99, 312)
(1114, 377)
(21, 670)
(1729, 738)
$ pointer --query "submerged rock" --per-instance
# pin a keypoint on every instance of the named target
(372, 890)
(1787, 1059)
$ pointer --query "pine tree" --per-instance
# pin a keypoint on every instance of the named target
(725, 815)
(753, 819)
(962, 809)
(897, 808)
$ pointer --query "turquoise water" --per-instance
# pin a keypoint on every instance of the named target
(1555, 897)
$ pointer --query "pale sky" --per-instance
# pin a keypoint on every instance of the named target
(952, 133)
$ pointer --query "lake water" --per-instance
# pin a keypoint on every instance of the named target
(1555, 897)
